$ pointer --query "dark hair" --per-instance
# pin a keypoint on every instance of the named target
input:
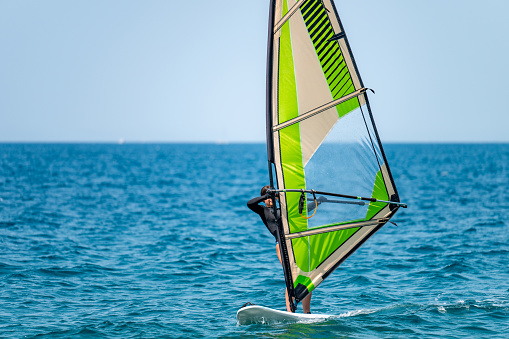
(264, 189)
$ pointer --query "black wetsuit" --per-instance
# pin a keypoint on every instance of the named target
(266, 213)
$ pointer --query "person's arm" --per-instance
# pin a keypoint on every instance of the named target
(253, 203)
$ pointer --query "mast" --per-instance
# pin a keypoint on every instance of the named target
(270, 156)
(268, 107)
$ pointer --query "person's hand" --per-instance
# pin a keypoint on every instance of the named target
(321, 199)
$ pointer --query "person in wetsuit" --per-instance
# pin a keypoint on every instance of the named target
(266, 213)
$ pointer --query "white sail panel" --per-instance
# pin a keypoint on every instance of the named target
(312, 88)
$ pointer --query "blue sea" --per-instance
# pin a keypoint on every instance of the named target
(156, 241)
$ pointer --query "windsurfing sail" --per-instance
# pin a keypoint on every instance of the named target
(334, 184)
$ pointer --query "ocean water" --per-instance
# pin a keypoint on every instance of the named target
(156, 241)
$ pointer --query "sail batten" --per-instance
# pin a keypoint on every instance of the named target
(321, 137)
(288, 15)
(319, 109)
(335, 228)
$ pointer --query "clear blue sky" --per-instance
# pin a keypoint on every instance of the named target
(158, 71)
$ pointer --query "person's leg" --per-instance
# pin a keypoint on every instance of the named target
(306, 304)
(288, 308)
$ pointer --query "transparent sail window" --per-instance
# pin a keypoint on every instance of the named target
(346, 162)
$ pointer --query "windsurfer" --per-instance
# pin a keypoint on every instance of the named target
(266, 213)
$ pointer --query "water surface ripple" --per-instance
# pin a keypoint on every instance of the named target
(156, 241)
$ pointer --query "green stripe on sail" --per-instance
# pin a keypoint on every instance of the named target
(325, 244)
(380, 193)
(306, 281)
(290, 143)
(331, 59)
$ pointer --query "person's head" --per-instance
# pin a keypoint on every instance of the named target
(264, 190)
(268, 201)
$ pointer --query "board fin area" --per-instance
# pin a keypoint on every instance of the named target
(255, 314)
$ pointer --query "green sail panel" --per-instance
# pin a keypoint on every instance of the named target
(311, 251)
(380, 193)
(291, 154)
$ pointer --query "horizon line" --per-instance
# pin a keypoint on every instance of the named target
(224, 142)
